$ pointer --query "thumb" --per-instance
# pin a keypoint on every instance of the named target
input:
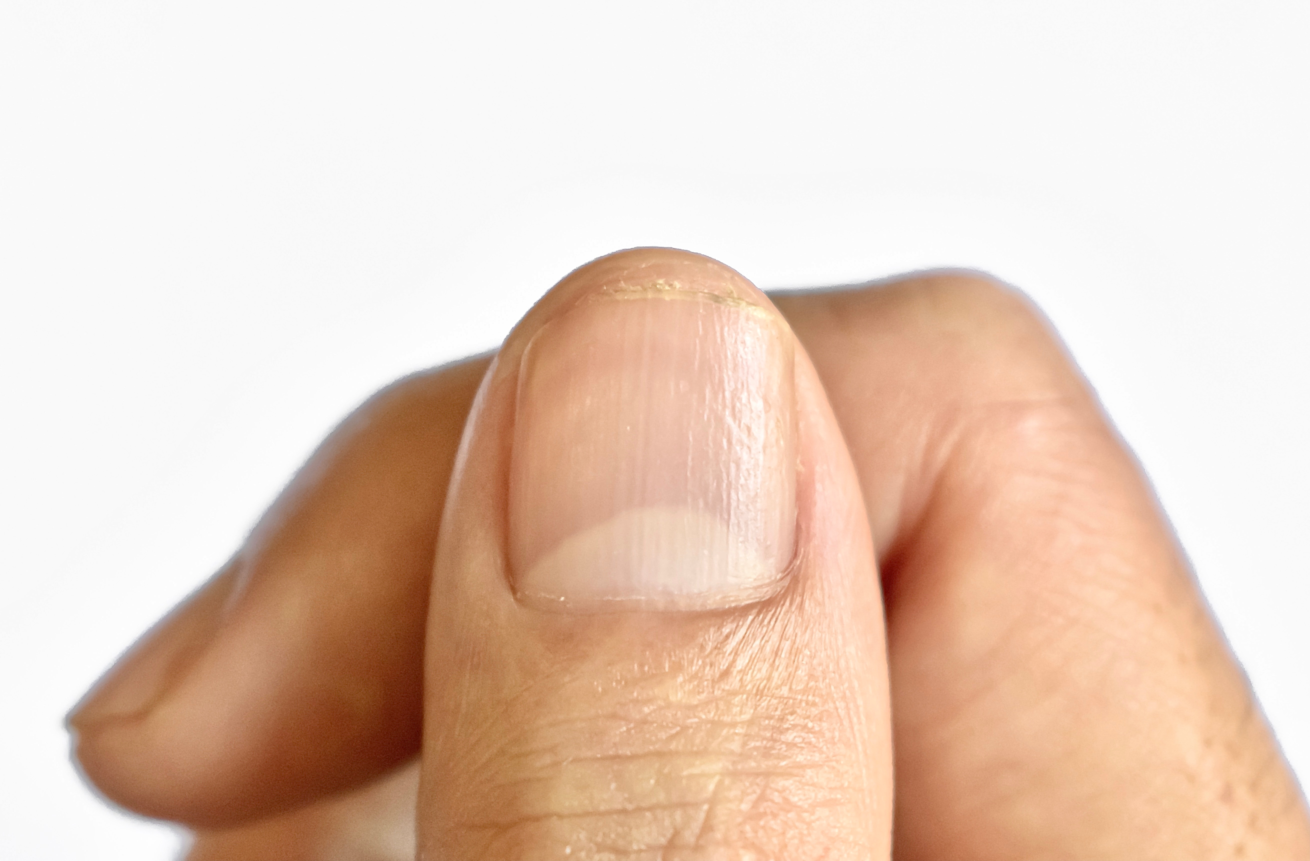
(655, 625)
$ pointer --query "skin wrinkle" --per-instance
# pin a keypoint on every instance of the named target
(666, 839)
(702, 830)
(1044, 643)
(685, 720)
(703, 839)
(993, 422)
(1097, 601)
(635, 810)
(673, 727)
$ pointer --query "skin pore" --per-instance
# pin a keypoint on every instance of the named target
(1052, 682)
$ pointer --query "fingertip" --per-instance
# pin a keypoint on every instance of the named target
(154, 665)
(297, 672)
(652, 706)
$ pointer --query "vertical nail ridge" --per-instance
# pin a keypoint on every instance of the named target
(654, 453)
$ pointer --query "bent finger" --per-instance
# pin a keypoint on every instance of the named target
(1059, 686)
(297, 671)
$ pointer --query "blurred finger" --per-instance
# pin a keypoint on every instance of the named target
(296, 672)
(1059, 686)
(374, 822)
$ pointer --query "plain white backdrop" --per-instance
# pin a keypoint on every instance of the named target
(222, 225)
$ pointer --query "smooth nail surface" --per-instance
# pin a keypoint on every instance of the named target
(654, 454)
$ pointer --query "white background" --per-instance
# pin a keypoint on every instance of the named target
(224, 224)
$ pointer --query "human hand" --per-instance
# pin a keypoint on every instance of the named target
(1049, 680)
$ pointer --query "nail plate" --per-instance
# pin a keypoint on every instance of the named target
(654, 454)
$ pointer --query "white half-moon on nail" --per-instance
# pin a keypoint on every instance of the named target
(655, 556)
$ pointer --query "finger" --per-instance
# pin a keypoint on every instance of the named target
(946, 354)
(1060, 689)
(298, 670)
(374, 822)
(655, 627)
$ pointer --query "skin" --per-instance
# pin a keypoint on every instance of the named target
(1057, 684)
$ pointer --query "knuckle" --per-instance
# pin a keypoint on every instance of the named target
(973, 294)
(969, 303)
(965, 330)
(987, 341)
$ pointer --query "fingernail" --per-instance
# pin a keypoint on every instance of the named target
(154, 664)
(654, 454)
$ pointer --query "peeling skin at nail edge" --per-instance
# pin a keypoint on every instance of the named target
(673, 290)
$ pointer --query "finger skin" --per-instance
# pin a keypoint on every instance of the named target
(962, 412)
(753, 730)
(309, 678)
(374, 822)
(1060, 688)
